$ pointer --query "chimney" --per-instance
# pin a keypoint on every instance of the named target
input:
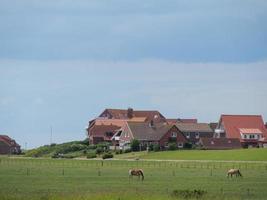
(130, 113)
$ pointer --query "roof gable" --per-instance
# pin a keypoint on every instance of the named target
(233, 123)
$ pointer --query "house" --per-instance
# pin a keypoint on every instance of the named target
(249, 129)
(103, 128)
(8, 145)
(219, 143)
(148, 133)
(194, 131)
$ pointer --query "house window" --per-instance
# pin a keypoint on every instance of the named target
(174, 134)
(180, 145)
(245, 136)
(187, 135)
(197, 135)
(251, 136)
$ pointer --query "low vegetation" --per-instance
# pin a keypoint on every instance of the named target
(70, 150)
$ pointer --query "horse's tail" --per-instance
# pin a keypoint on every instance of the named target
(142, 174)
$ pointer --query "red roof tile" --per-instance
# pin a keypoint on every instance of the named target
(233, 123)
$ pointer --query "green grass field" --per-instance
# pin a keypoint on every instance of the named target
(23, 178)
(225, 155)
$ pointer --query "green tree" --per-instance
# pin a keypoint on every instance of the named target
(135, 145)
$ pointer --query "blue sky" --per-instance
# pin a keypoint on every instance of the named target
(63, 62)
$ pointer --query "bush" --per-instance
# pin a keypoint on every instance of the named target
(135, 145)
(118, 151)
(99, 150)
(189, 194)
(104, 146)
(188, 146)
(91, 155)
(127, 151)
(77, 147)
(172, 146)
(150, 147)
(92, 146)
(156, 147)
(107, 155)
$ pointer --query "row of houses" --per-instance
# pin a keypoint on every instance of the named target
(120, 127)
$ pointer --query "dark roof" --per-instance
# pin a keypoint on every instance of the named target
(122, 114)
(179, 120)
(187, 120)
(220, 143)
(194, 127)
(143, 130)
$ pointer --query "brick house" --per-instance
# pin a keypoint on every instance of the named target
(249, 129)
(8, 145)
(194, 131)
(151, 133)
(103, 128)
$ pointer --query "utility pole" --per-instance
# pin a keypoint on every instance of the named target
(51, 134)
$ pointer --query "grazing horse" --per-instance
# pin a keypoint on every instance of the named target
(136, 172)
(235, 172)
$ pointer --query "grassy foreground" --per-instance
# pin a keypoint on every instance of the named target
(225, 155)
(22, 178)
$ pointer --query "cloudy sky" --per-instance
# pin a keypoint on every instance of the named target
(62, 62)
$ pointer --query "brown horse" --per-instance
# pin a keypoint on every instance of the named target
(235, 172)
(136, 172)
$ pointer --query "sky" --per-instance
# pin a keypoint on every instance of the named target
(63, 62)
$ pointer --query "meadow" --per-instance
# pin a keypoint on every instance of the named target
(25, 178)
(253, 154)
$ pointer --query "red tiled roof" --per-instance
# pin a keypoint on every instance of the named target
(233, 123)
(250, 131)
(101, 130)
(122, 114)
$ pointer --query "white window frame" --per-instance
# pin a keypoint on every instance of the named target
(174, 135)
(187, 135)
(180, 145)
(197, 135)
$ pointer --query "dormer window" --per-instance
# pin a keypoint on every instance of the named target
(187, 135)
(174, 135)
